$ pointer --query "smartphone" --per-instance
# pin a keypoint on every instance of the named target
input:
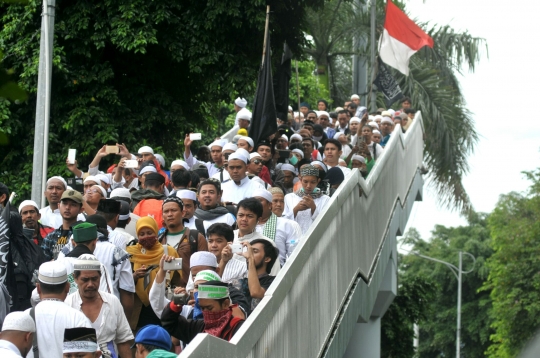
(360, 140)
(236, 248)
(175, 264)
(76, 183)
(151, 267)
(71, 156)
(285, 154)
(131, 163)
(195, 136)
(112, 149)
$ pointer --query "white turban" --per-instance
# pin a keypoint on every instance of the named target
(186, 194)
(387, 120)
(229, 146)
(354, 120)
(218, 143)
(324, 113)
(180, 163)
(28, 203)
(238, 156)
(299, 152)
(92, 178)
(359, 158)
(244, 114)
(284, 136)
(355, 96)
(145, 149)
(104, 177)
(265, 194)
(248, 140)
(58, 178)
(240, 102)
(373, 124)
(296, 136)
(148, 169)
(254, 155)
(203, 258)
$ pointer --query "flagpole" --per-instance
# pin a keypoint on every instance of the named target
(265, 32)
(372, 93)
(298, 91)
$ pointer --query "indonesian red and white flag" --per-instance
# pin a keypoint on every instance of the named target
(401, 39)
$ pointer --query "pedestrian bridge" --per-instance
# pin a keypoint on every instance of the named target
(328, 298)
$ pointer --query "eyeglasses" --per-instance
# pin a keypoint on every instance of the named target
(93, 191)
(257, 161)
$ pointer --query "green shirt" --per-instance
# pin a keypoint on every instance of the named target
(160, 353)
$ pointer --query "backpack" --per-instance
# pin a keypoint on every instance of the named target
(150, 207)
(193, 240)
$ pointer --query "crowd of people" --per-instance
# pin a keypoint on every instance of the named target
(136, 260)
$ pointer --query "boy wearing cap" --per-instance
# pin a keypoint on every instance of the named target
(220, 318)
(153, 341)
(81, 343)
(70, 207)
(51, 314)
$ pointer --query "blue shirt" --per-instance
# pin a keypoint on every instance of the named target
(385, 140)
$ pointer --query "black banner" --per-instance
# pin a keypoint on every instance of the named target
(387, 84)
(281, 84)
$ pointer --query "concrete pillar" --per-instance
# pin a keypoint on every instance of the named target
(366, 340)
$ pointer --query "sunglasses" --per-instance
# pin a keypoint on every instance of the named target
(257, 161)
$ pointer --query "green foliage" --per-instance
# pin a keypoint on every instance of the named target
(411, 306)
(134, 72)
(311, 90)
(438, 329)
(514, 278)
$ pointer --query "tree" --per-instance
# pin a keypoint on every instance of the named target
(311, 90)
(514, 279)
(137, 72)
(438, 330)
(411, 306)
(432, 84)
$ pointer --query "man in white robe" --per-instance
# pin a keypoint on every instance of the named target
(240, 186)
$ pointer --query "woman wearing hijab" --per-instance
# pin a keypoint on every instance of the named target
(305, 204)
(145, 258)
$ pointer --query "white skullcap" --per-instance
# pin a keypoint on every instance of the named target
(371, 118)
(160, 159)
(296, 114)
(92, 178)
(87, 262)
(339, 109)
(58, 178)
(284, 136)
(376, 132)
(248, 140)
(387, 120)
(103, 191)
(386, 114)
(243, 152)
(52, 273)
(359, 158)
(296, 136)
(236, 137)
(69, 188)
(244, 114)
(341, 160)
(218, 143)
(229, 146)
(180, 163)
(254, 155)
(186, 194)
(299, 152)
(203, 258)
(145, 149)
(28, 203)
(338, 134)
(290, 108)
(262, 193)
(148, 169)
(104, 177)
(120, 193)
(355, 120)
(373, 124)
(238, 156)
(355, 96)
(324, 113)
(392, 112)
(378, 116)
(19, 321)
(321, 164)
(240, 102)
(288, 167)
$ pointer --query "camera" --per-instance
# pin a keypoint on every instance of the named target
(180, 299)
(237, 249)
(324, 185)
(175, 264)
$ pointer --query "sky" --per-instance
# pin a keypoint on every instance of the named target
(501, 93)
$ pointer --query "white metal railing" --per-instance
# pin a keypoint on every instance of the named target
(299, 310)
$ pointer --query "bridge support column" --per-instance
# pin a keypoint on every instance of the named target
(366, 340)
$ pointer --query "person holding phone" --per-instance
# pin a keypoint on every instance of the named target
(305, 204)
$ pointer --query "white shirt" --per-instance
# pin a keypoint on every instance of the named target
(105, 284)
(250, 237)
(380, 150)
(9, 350)
(114, 327)
(118, 238)
(52, 318)
(53, 218)
(128, 237)
(345, 170)
(191, 224)
(304, 218)
(288, 234)
(226, 176)
(235, 193)
(121, 276)
(212, 169)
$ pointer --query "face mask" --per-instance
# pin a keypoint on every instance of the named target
(318, 139)
(148, 242)
(197, 311)
(293, 160)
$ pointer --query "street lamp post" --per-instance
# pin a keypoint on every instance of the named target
(458, 272)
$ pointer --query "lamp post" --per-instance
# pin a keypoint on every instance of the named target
(458, 272)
